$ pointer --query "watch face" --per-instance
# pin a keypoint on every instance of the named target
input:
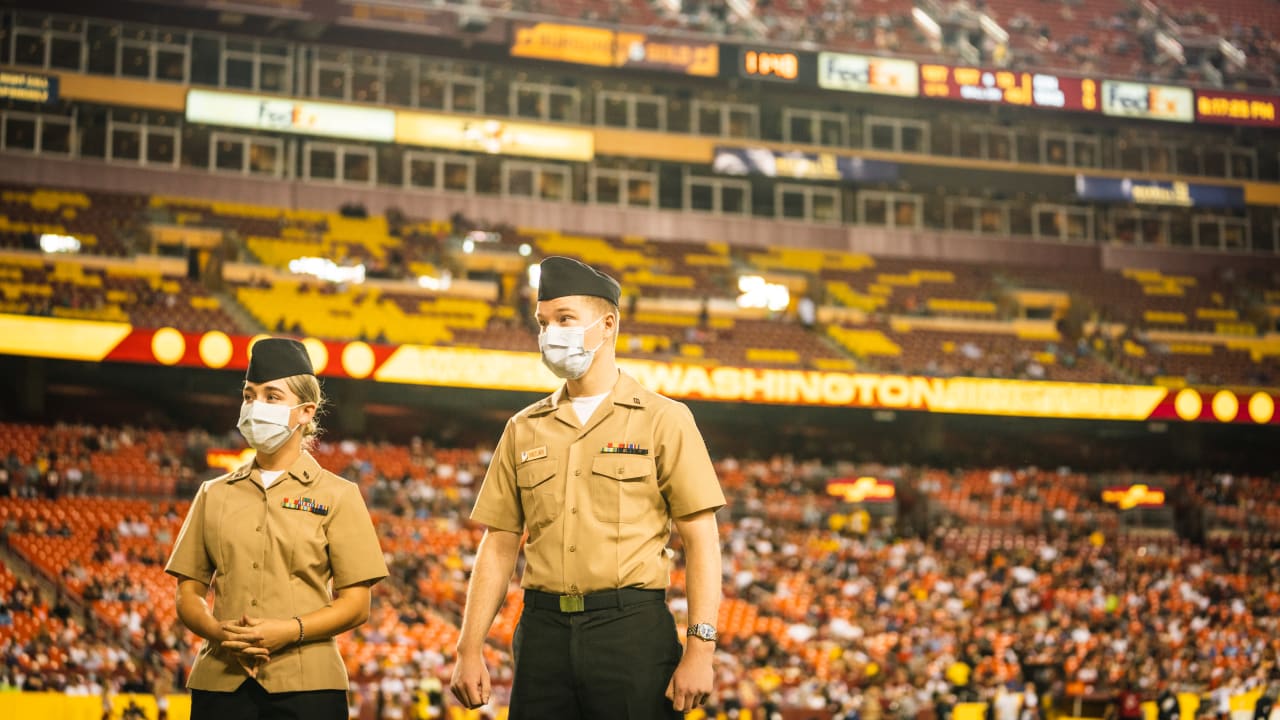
(703, 631)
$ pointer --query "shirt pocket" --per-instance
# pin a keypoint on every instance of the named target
(539, 495)
(304, 540)
(622, 487)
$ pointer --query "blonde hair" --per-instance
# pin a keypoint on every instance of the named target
(606, 307)
(307, 388)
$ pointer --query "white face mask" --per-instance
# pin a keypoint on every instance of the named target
(265, 426)
(563, 350)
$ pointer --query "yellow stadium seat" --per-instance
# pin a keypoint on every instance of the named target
(773, 355)
(1165, 318)
(864, 342)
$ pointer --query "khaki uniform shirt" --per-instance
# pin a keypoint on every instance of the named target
(273, 553)
(598, 520)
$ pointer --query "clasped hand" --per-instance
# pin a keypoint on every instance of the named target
(251, 640)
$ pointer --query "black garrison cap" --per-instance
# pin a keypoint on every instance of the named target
(562, 276)
(275, 358)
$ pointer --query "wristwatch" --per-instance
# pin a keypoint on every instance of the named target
(703, 631)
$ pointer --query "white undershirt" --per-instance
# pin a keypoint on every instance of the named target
(586, 405)
(269, 476)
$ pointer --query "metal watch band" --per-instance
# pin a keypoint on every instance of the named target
(703, 631)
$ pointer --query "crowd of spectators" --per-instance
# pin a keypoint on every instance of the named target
(1054, 35)
(868, 617)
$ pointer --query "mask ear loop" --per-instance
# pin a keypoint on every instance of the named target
(600, 344)
(300, 424)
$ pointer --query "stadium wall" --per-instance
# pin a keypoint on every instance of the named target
(602, 220)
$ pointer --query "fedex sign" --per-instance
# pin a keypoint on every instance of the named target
(1144, 100)
(864, 73)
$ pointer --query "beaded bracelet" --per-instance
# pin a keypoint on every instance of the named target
(301, 634)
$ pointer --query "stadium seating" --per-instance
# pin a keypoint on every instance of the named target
(893, 314)
(808, 594)
(1099, 35)
(101, 221)
(118, 293)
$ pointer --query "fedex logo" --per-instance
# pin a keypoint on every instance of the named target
(844, 70)
(1155, 102)
(863, 73)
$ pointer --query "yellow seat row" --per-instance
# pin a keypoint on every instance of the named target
(333, 316)
(809, 261)
(633, 342)
(593, 251)
(47, 200)
(864, 343)
(1157, 284)
(916, 278)
(106, 313)
(848, 297)
(339, 315)
(773, 355)
(647, 278)
(15, 290)
(961, 307)
(680, 320)
(1164, 317)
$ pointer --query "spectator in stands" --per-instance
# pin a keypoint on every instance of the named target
(51, 484)
(806, 312)
(614, 581)
(268, 653)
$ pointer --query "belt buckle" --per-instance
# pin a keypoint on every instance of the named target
(572, 604)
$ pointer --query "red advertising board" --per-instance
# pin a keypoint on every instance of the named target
(1233, 108)
(1006, 87)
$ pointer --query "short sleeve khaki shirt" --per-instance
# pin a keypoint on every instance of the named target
(274, 553)
(598, 498)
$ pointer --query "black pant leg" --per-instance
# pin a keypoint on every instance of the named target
(251, 702)
(628, 657)
(243, 703)
(307, 705)
(543, 685)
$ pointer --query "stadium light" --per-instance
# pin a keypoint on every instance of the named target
(441, 283)
(326, 269)
(51, 243)
(525, 249)
(759, 293)
(468, 246)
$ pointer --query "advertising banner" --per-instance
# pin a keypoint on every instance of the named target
(603, 47)
(28, 87)
(564, 43)
(1005, 87)
(262, 112)
(808, 166)
(868, 74)
(492, 136)
(1144, 100)
(1231, 108)
(1153, 192)
(461, 367)
(644, 52)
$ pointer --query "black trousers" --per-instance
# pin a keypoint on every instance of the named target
(251, 702)
(607, 664)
